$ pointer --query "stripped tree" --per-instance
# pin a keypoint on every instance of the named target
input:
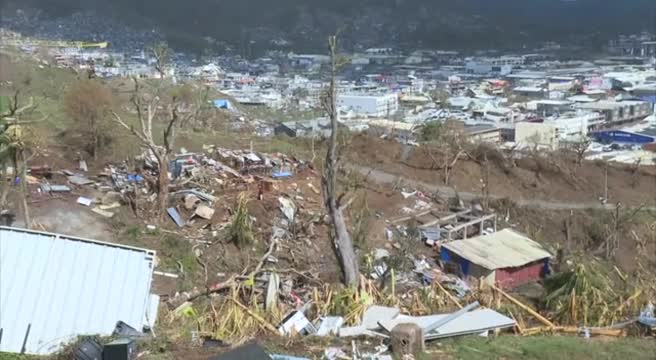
(162, 54)
(147, 109)
(18, 145)
(335, 208)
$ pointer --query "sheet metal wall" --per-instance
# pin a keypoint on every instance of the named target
(65, 287)
(511, 277)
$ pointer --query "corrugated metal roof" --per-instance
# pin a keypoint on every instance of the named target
(65, 287)
(473, 322)
(503, 249)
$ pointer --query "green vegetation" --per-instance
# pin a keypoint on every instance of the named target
(550, 348)
(239, 231)
(431, 131)
(10, 356)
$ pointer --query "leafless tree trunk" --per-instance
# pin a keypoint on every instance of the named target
(486, 182)
(162, 54)
(17, 149)
(342, 239)
(5, 187)
(145, 135)
(23, 189)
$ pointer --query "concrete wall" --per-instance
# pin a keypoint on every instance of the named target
(530, 134)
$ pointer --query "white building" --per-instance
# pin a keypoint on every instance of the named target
(369, 105)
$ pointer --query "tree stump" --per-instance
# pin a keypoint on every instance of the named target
(407, 339)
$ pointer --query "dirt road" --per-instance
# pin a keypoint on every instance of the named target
(380, 176)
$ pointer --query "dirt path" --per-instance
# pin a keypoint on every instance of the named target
(380, 176)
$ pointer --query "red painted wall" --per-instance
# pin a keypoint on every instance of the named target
(509, 278)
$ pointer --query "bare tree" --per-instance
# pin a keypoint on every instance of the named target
(147, 111)
(162, 54)
(17, 147)
(341, 237)
(89, 103)
(579, 148)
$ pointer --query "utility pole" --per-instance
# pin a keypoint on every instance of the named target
(605, 182)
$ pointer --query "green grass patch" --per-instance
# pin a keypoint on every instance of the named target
(551, 348)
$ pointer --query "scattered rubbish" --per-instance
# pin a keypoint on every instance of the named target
(421, 205)
(381, 254)
(199, 194)
(334, 353)
(209, 343)
(288, 208)
(191, 201)
(314, 189)
(55, 188)
(280, 174)
(470, 323)
(83, 166)
(104, 213)
(79, 180)
(375, 314)
(296, 323)
(407, 195)
(166, 274)
(185, 309)
(124, 330)
(251, 351)
(175, 216)
(204, 212)
(111, 197)
(353, 331)
(330, 325)
(443, 321)
(84, 201)
(120, 349)
(286, 357)
(113, 205)
(647, 317)
(89, 349)
(40, 171)
(272, 291)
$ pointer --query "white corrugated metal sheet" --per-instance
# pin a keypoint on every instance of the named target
(63, 287)
(473, 322)
(503, 249)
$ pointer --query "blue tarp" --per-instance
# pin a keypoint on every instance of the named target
(222, 104)
(281, 174)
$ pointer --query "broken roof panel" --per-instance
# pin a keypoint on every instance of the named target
(473, 322)
(503, 249)
(61, 287)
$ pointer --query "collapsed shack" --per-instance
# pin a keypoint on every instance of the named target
(437, 226)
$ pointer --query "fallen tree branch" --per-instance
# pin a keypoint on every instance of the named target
(574, 330)
(196, 293)
(534, 313)
(264, 258)
(448, 294)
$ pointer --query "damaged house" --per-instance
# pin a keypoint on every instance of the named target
(505, 258)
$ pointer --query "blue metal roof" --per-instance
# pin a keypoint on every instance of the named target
(621, 136)
(62, 287)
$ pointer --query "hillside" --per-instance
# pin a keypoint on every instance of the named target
(468, 24)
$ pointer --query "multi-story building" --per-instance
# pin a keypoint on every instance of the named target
(618, 112)
(369, 105)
